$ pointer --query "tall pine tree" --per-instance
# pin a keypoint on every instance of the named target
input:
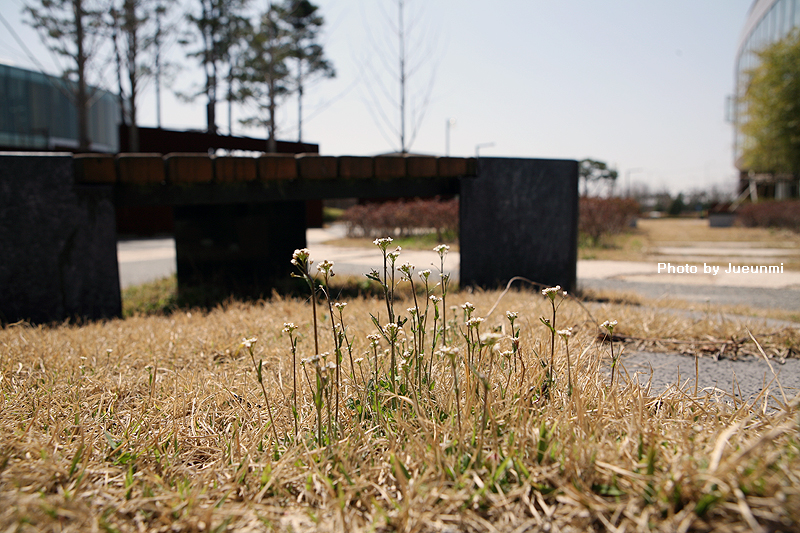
(265, 75)
(310, 62)
(219, 25)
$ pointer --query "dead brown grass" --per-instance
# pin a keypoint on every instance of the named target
(158, 424)
(642, 243)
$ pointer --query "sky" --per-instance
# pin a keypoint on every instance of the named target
(641, 85)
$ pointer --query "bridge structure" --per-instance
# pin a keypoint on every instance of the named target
(237, 220)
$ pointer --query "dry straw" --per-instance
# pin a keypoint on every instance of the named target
(161, 423)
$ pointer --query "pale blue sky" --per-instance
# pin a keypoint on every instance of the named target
(640, 84)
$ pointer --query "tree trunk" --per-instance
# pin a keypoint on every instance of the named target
(299, 100)
(272, 144)
(211, 109)
(132, 27)
(82, 99)
(230, 99)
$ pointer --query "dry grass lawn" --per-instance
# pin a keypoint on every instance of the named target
(159, 423)
(641, 243)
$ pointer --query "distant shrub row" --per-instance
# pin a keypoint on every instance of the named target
(403, 218)
(605, 216)
(771, 214)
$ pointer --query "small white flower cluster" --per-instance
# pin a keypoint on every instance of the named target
(326, 267)
(468, 307)
(340, 305)
(551, 292)
(289, 327)
(391, 329)
(511, 315)
(441, 249)
(424, 274)
(300, 257)
(313, 359)
(394, 255)
(382, 243)
(609, 325)
(565, 333)
(491, 338)
(407, 269)
(248, 343)
(435, 299)
(474, 322)
(449, 351)
(374, 339)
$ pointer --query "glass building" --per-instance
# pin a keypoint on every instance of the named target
(768, 21)
(37, 113)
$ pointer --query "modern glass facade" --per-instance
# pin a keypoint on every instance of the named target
(768, 21)
(36, 113)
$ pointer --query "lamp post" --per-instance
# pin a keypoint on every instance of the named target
(447, 125)
(628, 180)
(479, 146)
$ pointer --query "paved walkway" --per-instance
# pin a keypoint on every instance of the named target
(743, 379)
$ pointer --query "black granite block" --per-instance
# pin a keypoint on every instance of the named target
(58, 242)
(519, 217)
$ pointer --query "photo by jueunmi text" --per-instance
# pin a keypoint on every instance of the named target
(669, 268)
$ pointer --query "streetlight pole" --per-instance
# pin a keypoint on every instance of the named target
(447, 125)
(628, 180)
(479, 146)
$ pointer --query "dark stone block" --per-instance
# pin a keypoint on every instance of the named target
(58, 241)
(519, 217)
(241, 250)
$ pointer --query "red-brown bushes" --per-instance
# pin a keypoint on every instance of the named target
(771, 214)
(605, 216)
(403, 217)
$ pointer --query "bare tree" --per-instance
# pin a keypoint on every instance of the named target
(136, 33)
(71, 28)
(406, 56)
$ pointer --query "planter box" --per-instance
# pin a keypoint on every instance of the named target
(721, 220)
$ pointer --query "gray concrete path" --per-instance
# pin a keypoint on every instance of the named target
(743, 379)
(144, 260)
(355, 261)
